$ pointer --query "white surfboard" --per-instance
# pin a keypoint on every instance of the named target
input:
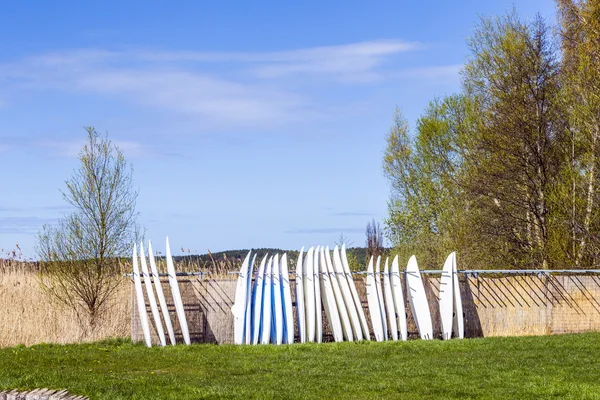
(380, 296)
(309, 295)
(373, 302)
(139, 295)
(446, 299)
(389, 301)
(151, 299)
(399, 307)
(317, 296)
(459, 318)
(347, 328)
(160, 294)
(328, 298)
(347, 300)
(286, 295)
(257, 295)
(249, 304)
(277, 303)
(300, 308)
(177, 296)
(239, 305)
(418, 300)
(267, 299)
(357, 302)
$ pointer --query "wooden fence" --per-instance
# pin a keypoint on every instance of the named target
(493, 306)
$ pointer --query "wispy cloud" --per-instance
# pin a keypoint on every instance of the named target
(325, 230)
(23, 225)
(216, 89)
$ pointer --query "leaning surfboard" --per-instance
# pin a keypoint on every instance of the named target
(418, 300)
(389, 302)
(257, 303)
(339, 299)
(318, 296)
(141, 303)
(380, 296)
(160, 294)
(446, 299)
(300, 309)
(286, 297)
(309, 295)
(459, 318)
(249, 304)
(239, 305)
(399, 306)
(151, 299)
(328, 297)
(346, 295)
(355, 297)
(177, 296)
(277, 303)
(373, 302)
(267, 299)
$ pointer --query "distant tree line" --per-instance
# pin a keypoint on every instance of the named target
(506, 171)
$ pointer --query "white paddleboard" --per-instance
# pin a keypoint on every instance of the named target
(161, 295)
(357, 302)
(139, 295)
(317, 296)
(300, 309)
(399, 306)
(380, 296)
(328, 298)
(346, 294)
(267, 298)
(446, 299)
(177, 296)
(418, 300)
(249, 305)
(239, 305)
(151, 299)
(277, 315)
(257, 295)
(389, 301)
(309, 295)
(286, 295)
(459, 318)
(339, 299)
(373, 302)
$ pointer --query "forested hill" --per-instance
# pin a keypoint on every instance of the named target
(359, 252)
(356, 255)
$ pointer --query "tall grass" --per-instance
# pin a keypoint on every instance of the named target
(29, 315)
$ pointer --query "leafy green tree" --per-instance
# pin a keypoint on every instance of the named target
(80, 256)
(580, 42)
(513, 74)
(428, 204)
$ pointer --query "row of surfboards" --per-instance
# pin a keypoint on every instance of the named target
(148, 276)
(263, 308)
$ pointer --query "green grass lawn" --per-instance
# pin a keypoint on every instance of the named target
(565, 366)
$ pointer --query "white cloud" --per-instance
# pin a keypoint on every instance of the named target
(196, 94)
(214, 90)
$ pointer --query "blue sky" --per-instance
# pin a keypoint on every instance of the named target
(249, 124)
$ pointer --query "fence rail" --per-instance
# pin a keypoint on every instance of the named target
(473, 272)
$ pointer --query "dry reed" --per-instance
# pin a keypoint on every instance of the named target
(29, 316)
